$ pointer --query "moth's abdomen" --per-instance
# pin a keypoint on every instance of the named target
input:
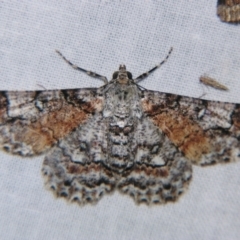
(120, 144)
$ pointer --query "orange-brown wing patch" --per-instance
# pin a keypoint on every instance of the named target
(187, 135)
(51, 127)
(31, 122)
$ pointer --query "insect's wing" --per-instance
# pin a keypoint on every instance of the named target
(31, 122)
(161, 172)
(74, 181)
(74, 168)
(206, 132)
(229, 10)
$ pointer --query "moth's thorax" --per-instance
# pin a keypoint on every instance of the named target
(122, 100)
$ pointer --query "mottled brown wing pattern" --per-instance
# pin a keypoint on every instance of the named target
(207, 132)
(229, 10)
(32, 122)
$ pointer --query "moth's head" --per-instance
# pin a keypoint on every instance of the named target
(122, 76)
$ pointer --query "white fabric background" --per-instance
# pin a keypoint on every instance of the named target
(100, 35)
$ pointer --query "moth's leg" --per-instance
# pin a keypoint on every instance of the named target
(92, 74)
(144, 75)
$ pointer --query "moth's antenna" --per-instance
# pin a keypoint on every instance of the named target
(142, 76)
(92, 74)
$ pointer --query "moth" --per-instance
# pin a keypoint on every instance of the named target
(229, 10)
(119, 136)
(208, 81)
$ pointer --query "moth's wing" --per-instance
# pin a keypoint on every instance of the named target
(161, 173)
(31, 122)
(207, 132)
(74, 168)
(229, 11)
